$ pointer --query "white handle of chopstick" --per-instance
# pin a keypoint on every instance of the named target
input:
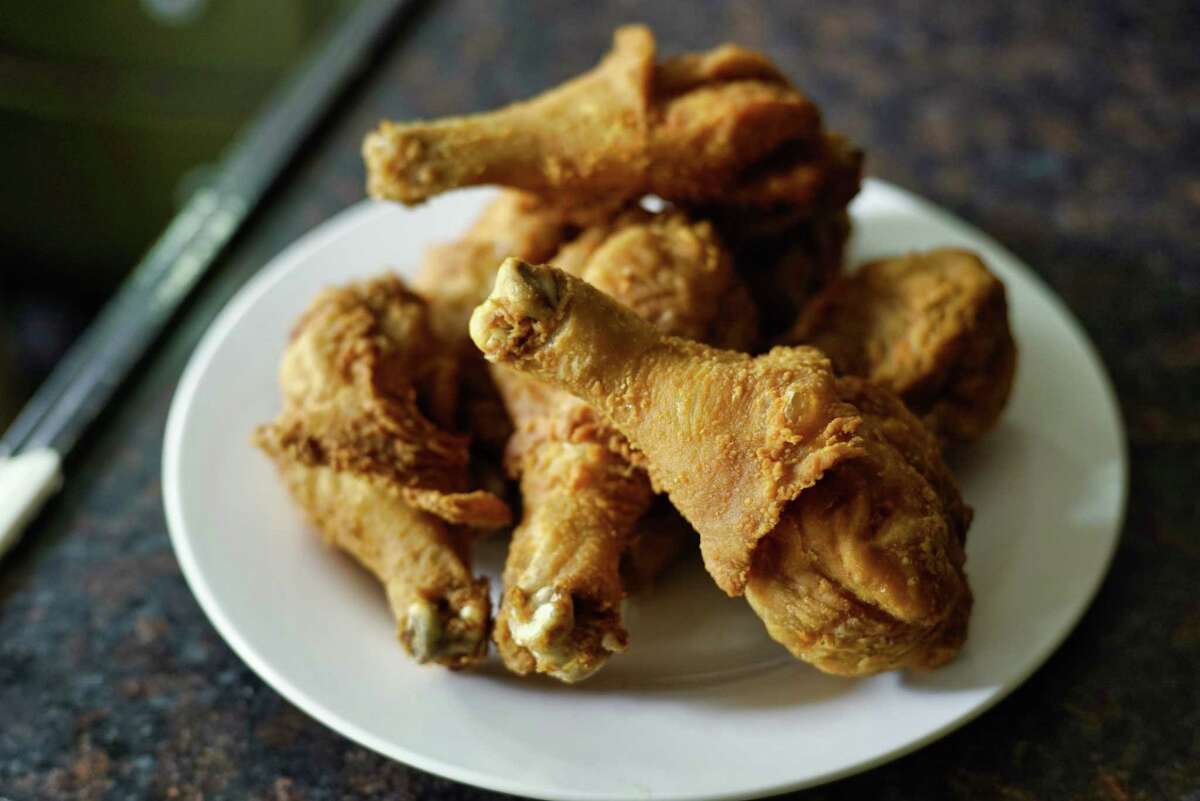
(26, 482)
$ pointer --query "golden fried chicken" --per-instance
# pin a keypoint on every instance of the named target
(672, 269)
(581, 500)
(441, 610)
(360, 446)
(716, 127)
(826, 502)
(582, 496)
(456, 276)
(932, 327)
(864, 571)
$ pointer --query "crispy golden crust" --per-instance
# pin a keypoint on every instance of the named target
(583, 497)
(456, 276)
(351, 377)
(581, 503)
(685, 129)
(527, 145)
(845, 487)
(661, 389)
(865, 571)
(932, 327)
(361, 379)
(672, 271)
(442, 612)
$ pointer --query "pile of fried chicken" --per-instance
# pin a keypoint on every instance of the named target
(649, 332)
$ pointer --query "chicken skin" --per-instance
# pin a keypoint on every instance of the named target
(456, 276)
(717, 127)
(835, 581)
(822, 500)
(932, 327)
(673, 270)
(582, 494)
(360, 445)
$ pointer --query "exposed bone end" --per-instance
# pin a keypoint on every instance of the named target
(520, 314)
(451, 631)
(566, 638)
(397, 167)
(422, 630)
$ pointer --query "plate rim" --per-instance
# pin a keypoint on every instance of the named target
(360, 214)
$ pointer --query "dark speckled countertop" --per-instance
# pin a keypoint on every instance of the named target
(1069, 130)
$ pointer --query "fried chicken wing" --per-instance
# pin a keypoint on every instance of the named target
(839, 520)
(582, 495)
(360, 446)
(441, 610)
(932, 327)
(690, 129)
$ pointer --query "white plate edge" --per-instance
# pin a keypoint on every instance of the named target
(360, 214)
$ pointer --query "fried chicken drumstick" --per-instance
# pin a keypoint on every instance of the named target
(824, 501)
(717, 127)
(360, 447)
(583, 497)
(932, 327)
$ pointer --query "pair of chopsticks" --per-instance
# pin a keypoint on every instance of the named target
(82, 383)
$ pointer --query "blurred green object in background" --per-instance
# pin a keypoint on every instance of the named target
(105, 107)
(109, 112)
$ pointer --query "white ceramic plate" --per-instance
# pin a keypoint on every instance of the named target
(704, 705)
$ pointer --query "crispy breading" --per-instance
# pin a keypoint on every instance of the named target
(359, 443)
(742, 446)
(581, 499)
(865, 571)
(441, 610)
(673, 270)
(582, 494)
(689, 129)
(932, 327)
(456, 276)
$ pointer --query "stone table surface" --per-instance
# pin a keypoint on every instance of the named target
(1069, 130)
